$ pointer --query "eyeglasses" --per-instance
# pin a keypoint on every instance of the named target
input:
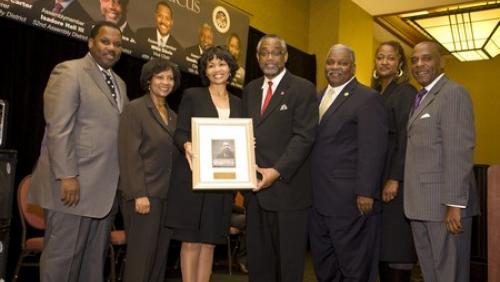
(274, 53)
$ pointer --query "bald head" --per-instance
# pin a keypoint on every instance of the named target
(339, 65)
(342, 47)
(426, 62)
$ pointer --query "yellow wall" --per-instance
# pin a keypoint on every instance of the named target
(287, 18)
(481, 80)
(341, 21)
(314, 25)
(356, 30)
(323, 33)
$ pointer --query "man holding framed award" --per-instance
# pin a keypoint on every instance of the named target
(284, 111)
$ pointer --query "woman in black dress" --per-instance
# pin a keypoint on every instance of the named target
(201, 219)
(390, 78)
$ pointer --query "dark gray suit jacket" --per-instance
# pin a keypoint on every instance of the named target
(80, 139)
(146, 150)
(440, 154)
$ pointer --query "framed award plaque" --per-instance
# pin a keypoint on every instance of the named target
(223, 154)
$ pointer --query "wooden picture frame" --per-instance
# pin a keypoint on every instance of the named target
(223, 154)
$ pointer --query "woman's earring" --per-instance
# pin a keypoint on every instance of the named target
(375, 76)
(401, 72)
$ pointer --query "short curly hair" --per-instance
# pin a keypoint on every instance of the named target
(220, 52)
(156, 66)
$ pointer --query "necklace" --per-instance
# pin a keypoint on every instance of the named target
(162, 109)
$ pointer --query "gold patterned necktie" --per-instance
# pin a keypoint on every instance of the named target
(326, 102)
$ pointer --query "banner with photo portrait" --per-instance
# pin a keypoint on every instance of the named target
(177, 30)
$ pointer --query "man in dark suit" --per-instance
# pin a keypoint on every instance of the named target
(70, 8)
(158, 41)
(193, 53)
(284, 112)
(347, 162)
(76, 177)
(115, 11)
(440, 197)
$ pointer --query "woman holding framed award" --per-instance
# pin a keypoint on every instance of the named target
(200, 219)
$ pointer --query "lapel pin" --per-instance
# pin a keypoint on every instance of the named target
(346, 94)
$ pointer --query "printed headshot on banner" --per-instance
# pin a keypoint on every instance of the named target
(175, 30)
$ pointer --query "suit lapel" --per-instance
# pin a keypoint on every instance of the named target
(255, 100)
(156, 115)
(343, 96)
(94, 72)
(427, 100)
(122, 91)
(233, 112)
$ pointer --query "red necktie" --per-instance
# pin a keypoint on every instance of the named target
(269, 94)
(57, 8)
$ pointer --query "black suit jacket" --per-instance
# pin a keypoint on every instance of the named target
(349, 152)
(284, 136)
(146, 150)
(74, 10)
(128, 34)
(183, 205)
(146, 40)
(398, 100)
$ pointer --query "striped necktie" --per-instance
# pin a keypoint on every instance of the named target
(418, 99)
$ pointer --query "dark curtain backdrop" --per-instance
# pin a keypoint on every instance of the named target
(28, 55)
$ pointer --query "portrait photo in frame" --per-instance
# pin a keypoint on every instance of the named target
(223, 154)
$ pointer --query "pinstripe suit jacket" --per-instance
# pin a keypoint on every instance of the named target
(439, 154)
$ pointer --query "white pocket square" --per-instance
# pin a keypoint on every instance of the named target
(283, 108)
(426, 115)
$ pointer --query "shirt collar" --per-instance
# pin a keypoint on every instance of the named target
(339, 89)
(430, 85)
(64, 4)
(276, 80)
(122, 27)
(108, 71)
(164, 37)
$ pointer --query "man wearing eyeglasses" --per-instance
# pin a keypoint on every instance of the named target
(285, 114)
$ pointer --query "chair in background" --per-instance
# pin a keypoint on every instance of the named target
(31, 215)
(236, 233)
(232, 246)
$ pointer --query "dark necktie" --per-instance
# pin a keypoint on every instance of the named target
(110, 84)
(418, 99)
(57, 8)
(269, 94)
